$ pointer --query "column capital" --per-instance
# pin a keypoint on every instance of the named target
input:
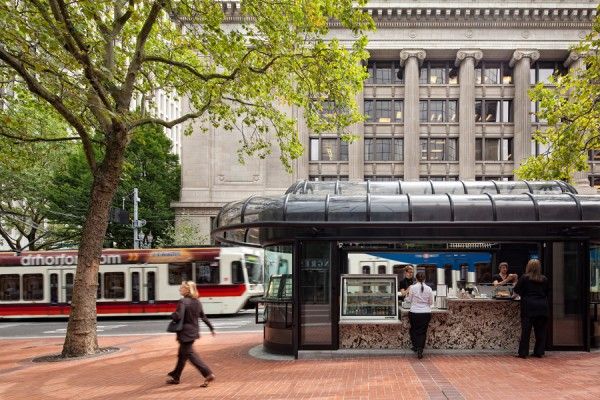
(573, 57)
(407, 53)
(461, 55)
(519, 54)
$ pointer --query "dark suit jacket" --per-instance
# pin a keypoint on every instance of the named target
(534, 297)
(193, 312)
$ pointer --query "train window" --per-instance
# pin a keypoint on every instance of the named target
(366, 269)
(207, 273)
(10, 287)
(381, 269)
(179, 272)
(33, 287)
(254, 269)
(114, 285)
(398, 271)
(237, 273)
(99, 289)
(69, 286)
(430, 271)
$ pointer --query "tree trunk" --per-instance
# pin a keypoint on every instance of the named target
(81, 338)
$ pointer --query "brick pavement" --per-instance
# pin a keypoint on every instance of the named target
(138, 372)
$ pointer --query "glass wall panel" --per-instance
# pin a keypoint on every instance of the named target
(567, 319)
(595, 293)
(315, 295)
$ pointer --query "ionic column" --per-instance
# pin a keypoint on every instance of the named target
(575, 62)
(521, 63)
(466, 60)
(411, 60)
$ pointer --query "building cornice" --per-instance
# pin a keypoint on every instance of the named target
(498, 15)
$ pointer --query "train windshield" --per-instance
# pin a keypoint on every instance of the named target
(255, 269)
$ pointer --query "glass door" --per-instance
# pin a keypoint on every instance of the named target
(315, 296)
(567, 277)
(594, 294)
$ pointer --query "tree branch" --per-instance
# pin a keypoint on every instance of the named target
(37, 88)
(39, 139)
(124, 97)
(172, 123)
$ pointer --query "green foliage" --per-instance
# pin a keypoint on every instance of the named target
(572, 109)
(149, 166)
(185, 233)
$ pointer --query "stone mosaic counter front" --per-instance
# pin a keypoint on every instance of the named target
(482, 324)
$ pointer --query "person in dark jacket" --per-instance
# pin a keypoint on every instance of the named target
(533, 288)
(190, 309)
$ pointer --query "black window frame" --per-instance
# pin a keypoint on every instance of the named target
(425, 111)
(396, 75)
(445, 153)
(505, 72)
(372, 111)
(449, 74)
(504, 103)
(340, 154)
(373, 155)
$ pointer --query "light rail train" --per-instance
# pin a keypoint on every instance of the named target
(131, 282)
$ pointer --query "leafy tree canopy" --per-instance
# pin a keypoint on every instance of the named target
(572, 111)
(149, 166)
(90, 60)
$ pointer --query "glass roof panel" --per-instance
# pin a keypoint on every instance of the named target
(559, 207)
(514, 208)
(430, 208)
(416, 187)
(450, 187)
(590, 205)
(347, 208)
(480, 187)
(473, 208)
(389, 208)
(264, 209)
(305, 208)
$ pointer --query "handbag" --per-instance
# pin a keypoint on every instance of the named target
(177, 326)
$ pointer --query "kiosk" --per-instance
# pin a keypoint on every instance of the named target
(456, 232)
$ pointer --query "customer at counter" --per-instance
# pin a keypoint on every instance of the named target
(407, 282)
(421, 299)
(503, 277)
(533, 288)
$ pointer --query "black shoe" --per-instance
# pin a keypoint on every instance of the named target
(520, 356)
(414, 349)
(538, 355)
(171, 374)
(173, 381)
(420, 353)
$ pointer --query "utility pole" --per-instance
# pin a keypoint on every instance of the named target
(136, 223)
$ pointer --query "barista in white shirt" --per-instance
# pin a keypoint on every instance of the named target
(421, 299)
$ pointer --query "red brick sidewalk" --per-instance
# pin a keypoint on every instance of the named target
(138, 372)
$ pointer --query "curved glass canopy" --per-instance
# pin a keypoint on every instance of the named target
(319, 205)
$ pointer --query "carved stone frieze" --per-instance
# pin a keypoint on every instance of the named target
(407, 53)
(473, 53)
(519, 54)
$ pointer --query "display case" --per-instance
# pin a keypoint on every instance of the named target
(369, 297)
(503, 292)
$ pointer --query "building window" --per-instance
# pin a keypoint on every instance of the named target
(493, 111)
(541, 71)
(534, 110)
(438, 111)
(438, 178)
(438, 73)
(439, 149)
(384, 149)
(328, 149)
(382, 178)
(384, 72)
(494, 178)
(493, 149)
(381, 110)
(490, 73)
(326, 178)
(595, 181)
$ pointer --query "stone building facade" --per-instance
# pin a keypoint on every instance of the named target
(447, 99)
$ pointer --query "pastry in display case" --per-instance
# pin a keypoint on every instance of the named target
(369, 297)
(503, 292)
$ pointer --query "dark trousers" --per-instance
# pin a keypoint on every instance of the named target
(186, 351)
(419, 322)
(539, 325)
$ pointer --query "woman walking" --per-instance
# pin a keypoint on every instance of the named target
(533, 289)
(190, 310)
(421, 299)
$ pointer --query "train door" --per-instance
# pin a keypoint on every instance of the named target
(150, 284)
(61, 285)
(135, 281)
